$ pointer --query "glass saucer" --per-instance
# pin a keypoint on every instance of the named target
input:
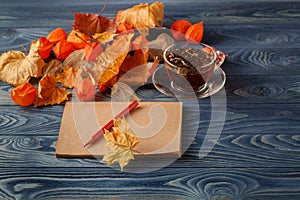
(163, 84)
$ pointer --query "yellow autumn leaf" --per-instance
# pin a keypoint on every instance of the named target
(108, 63)
(17, 68)
(104, 37)
(67, 77)
(120, 142)
(143, 15)
(49, 93)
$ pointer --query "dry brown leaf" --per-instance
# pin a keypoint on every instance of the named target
(74, 59)
(53, 67)
(67, 77)
(49, 93)
(109, 62)
(120, 142)
(143, 15)
(90, 24)
(17, 68)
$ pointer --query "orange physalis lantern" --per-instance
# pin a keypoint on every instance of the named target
(44, 48)
(195, 32)
(56, 35)
(24, 94)
(179, 28)
(63, 49)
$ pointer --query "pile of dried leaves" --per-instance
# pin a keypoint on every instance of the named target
(96, 53)
(98, 49)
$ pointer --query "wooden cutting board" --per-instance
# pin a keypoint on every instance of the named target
(157, 125)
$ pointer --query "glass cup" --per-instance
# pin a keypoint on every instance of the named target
(190, 65)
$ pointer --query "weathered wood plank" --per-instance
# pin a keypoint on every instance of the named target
(169, 183)
(253, 118)
(229, 150)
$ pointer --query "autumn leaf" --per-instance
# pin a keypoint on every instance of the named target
(84, 88)
(78, 39)
(143, 15)
(90, 24)
(138, 56)
(17, 68)
(67, 77)
(104, 37)
(49, 93)
(74, 59)
(54, 67)
(120, 141)
(92, 51)
(109, 62)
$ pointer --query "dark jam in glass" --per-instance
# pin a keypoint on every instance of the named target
(189, 67)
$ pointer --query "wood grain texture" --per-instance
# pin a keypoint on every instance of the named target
(256, 157)
(169, 183)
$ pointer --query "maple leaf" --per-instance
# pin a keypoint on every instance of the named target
(67, 77)
(109, 62)
(90, 24)
(49, 93)
(16, 68)
(120, 142)
(143, 15)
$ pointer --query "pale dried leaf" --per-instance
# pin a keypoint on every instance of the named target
(104, 37)
(144, 15)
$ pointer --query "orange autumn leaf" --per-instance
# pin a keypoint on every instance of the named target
(49, 93)
(122, 27)
(119, 15)
(109, 62)
(67, 77)
(44, 48)
(78, 39)
(143, 15)
(24, 94)
(90, 24)
(17, 68)
(56, 35)
(63, 49)
(138, 56)
(84, 89)
(92, 51)
(120, 142)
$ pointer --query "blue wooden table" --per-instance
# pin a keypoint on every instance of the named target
(257, 155)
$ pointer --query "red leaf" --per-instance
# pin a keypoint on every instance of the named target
(90, 24)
